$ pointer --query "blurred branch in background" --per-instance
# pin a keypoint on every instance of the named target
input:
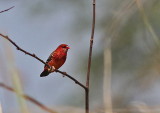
(126, 8)
(132, 57)
(6, 9)
(28, 98)
(146, 21)
(1, 108)
(107, 77)
(133, 52)
(15, 78)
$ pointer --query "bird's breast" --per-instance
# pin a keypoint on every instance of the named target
(57, 63)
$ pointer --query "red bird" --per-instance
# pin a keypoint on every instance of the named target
(56, 59)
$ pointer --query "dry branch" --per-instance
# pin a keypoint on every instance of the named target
(34, 56)
(6, 9)
(34, 101)
(90, 57)
(86, 88)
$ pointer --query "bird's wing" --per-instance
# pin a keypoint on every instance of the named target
(52, 56)
(49, 58)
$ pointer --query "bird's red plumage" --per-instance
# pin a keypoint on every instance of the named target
(56, 59)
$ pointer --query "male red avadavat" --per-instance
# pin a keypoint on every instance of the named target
(56, 59)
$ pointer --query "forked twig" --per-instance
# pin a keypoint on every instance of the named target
(34, 56)
(29, 99)
(86, 88)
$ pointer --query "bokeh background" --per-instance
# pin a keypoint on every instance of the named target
(125, 63)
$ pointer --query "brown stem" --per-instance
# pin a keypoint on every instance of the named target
(7, 9)
(90, 58)
(34, 101)
(76, 81)
(34, 56)
(87, 100)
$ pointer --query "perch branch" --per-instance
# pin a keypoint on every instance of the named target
(76, 81)
(28, 98)
(90, 57)
(34, 56)
(6, 9)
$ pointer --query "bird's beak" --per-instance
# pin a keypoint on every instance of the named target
(68, 47)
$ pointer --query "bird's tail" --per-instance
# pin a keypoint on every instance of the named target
(44, 73)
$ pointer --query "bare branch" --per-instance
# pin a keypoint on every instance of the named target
(7, 9)
(76, 81)
(34, 56)
(34, 101)
(90, 57)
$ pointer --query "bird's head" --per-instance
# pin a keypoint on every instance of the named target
(63, 47)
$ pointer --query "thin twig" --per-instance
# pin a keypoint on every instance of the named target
(76, 81)
(90, 58)
(6, 9)
(28, 98)
(34, 56)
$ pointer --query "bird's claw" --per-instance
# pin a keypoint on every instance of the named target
(51, 69)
